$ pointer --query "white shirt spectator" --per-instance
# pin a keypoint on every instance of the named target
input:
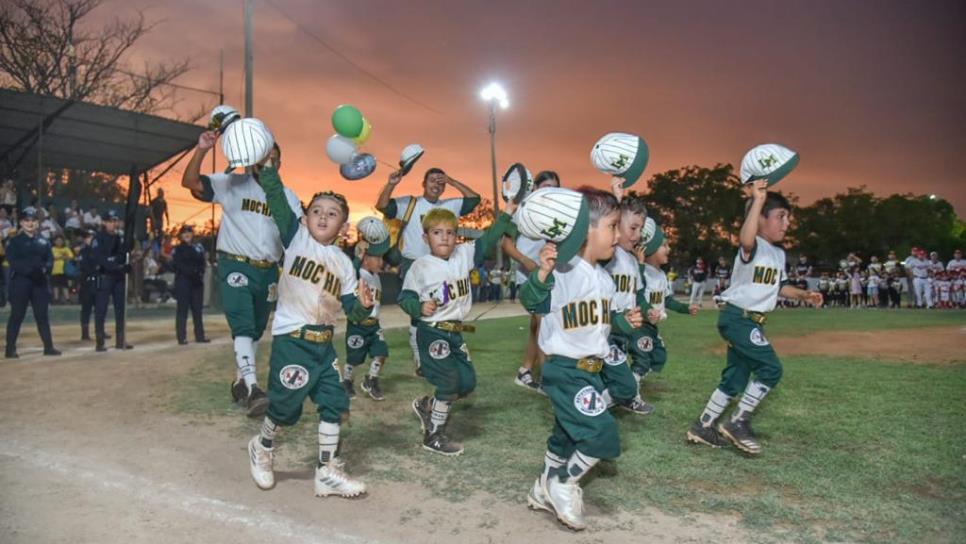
(92, 220)
(73, 218)
(956, 264)
(49, 228)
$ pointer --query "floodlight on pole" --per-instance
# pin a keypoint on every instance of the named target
(495, 94)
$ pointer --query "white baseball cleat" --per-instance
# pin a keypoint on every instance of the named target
(567, 500)
(331, 480)
(536, 498)
(260, 461)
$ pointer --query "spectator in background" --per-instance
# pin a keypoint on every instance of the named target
(891, 263)
(484, 284)
(72, 219)
(698, 274)
(58, 276)
(8, 196)
(722, 275)
(853, 260)
(496, 284)
(91, 220)
(48, 225)
(803, 269)
(872, 285)
(935, 265)
(153, 280)
(505, 287)
(159, 212)
(475, 284)
(957, 263)
(5, 223)
(874, 266)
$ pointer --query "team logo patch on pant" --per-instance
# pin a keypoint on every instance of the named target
(294, 377)
(645, 343)
(589, 402)
(439, 349)
(237, 279)
(355, 341)
(615, 356)
(758, 338)
(273, 292)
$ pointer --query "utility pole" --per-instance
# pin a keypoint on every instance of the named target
(249, 56)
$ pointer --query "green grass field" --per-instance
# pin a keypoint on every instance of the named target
(854, 449)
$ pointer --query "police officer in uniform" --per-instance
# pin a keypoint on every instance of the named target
(189, 288)
(30, 263)
(111, 267)
(87, 286)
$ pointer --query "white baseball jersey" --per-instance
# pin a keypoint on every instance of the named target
(626, 273)
(656, 288)
(936, 266)
(531, 249)
(375, 285)
(578, 323)
(247, 227)
(312, 283)
(890, 265)
(955, 264)
(919, 267)
(413, 245)
(447, 281)
(755, 284)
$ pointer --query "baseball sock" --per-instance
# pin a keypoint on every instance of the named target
(412, 344)
(578, 465)
(440, 413)
(551, 463)
(608, 400)
(347, 372)
(375, 366)
(754, 393)
(269, 432)
(716, 404)
(245, 359)
(328, 441)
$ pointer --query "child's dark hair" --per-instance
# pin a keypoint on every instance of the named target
(634, 205)
(277, 150)
(432, 171)
(773, 201)
(599, 203)
(544, 176)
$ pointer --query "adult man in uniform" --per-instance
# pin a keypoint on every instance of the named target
(918, 269)
(411, 209)
(87, 284)
(108, 253)
(249, 248)
(30, 261)
(188, 260)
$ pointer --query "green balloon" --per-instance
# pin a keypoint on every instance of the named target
(347, 121)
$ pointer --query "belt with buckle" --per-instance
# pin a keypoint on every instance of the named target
(317, 337)
(453, 326)
(758, 318)
(590, 364)
(257, 263)
(369, 321)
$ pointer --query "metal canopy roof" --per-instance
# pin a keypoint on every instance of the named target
(85, 136)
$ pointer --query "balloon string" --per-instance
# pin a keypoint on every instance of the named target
(393, 166)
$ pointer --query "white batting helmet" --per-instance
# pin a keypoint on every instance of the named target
(621, 154)
(770, 162)
(556, 215)
(246, 142)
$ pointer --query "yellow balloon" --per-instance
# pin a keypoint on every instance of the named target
(363, 136)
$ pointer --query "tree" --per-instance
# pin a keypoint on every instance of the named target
(701, 210)
(44, 50)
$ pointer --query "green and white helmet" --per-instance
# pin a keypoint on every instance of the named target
(770, 162)
(246, 142)
(556, 215)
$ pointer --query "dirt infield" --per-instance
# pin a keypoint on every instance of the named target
(931, 345)
(91, 454)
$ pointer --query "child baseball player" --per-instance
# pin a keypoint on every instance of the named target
(757, 281)
(436, 294)
(659, 298)
(365, 338)
(317, 283)
(625, 269)
(573, 293)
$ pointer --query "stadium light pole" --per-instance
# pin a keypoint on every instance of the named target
(494, 94)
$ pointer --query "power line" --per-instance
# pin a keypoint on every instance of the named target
(336, 52)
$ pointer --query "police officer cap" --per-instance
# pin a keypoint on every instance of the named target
(110, 215)
(28, 213)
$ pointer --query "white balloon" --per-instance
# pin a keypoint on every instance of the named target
(340, 149)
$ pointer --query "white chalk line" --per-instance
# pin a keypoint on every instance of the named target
(172, 496)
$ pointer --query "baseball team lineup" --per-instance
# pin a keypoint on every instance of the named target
(590, 273)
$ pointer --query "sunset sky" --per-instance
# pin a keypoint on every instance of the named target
(868, 92)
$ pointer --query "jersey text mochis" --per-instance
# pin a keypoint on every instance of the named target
(250, 205)
(766, 275)
(625, 283)
(309, 270)
(585, 313)
(451, 291)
